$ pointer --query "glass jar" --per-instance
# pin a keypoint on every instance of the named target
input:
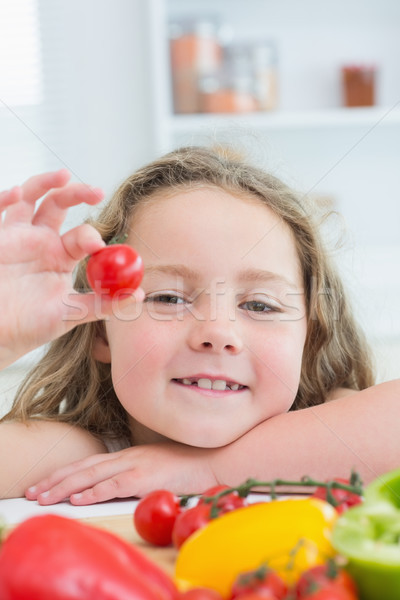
(358, 83)
(196, 54)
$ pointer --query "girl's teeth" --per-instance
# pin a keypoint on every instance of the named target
(205, 384)
(219, 384)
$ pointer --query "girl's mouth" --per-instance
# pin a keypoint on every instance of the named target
(211, 384)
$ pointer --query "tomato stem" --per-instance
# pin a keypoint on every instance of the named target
(355, 486)
(118, 239)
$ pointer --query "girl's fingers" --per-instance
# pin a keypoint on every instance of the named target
(84, 308)
(62, 473)
(9, 197)
(37, 186)
(120, 485)
(80, 480)
(33, 189)
(81, 241)
(52, 211)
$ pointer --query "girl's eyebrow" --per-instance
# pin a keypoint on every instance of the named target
(245, 276)
(263, 276)
(177, 270)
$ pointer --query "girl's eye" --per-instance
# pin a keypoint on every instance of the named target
(165, 299)
(259, 307)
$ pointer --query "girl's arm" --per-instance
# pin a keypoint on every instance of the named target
(358, 432)
(29, 452)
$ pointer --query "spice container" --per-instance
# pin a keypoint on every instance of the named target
(247, 80)
(264, 67)
(358, 83)
(234, 92)
(196, 54)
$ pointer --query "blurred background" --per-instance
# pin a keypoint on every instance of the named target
(309, 89)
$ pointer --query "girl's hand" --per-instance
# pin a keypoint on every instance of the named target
(37, 299)
(135, 471)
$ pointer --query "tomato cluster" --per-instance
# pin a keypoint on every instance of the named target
(342, 499)
(323, 582)
(160, 519)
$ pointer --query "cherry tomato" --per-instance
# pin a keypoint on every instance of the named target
(226, 503)
(259, 595)
(189, 521)
(259, 581)
(324, 576)
(331, 592)
(345, 499)
(114, 268)
(200, 593)
(155, 516)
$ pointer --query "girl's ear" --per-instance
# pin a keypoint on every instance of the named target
(101, 349)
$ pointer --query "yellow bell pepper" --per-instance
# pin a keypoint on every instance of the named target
(288, 535)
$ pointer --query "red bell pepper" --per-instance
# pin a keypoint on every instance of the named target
(50, 557)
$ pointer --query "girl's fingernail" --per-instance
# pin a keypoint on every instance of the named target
(32, 490)
(77, 496)
(44, 494)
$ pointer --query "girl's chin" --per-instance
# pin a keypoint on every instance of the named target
(206, 440)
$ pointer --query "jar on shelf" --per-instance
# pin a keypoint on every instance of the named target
(233, 91)
(359, 83)
(196, 54)
(247, 81)
(265, 74)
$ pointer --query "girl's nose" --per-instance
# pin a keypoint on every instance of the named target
(215, 336)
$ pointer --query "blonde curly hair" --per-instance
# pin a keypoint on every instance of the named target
(69, 385)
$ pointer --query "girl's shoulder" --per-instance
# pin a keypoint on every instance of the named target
(383, 390)
(340, 392)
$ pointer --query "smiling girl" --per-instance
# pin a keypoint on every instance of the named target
(243, 360)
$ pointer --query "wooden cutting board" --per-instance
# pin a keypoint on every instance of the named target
(122, 525)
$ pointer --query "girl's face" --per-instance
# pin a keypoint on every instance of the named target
(217, 346)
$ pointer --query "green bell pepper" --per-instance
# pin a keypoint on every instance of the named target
(368, 536)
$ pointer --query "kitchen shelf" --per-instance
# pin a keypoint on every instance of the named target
(288, 120)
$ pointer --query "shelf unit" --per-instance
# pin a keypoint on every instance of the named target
(300, 108)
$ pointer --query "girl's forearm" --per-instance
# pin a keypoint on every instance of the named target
(359, 432)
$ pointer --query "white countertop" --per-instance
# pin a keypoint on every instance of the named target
(15, 510)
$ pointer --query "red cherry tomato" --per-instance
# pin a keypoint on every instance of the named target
(259, 595)
(331, 592)
(345, 499)
(115, 268)
(189, 521)
(326, 576)
(200, 593)
(155, 516)
(259, 581)
(226, 503)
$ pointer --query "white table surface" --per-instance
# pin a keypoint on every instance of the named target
(15, 510)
